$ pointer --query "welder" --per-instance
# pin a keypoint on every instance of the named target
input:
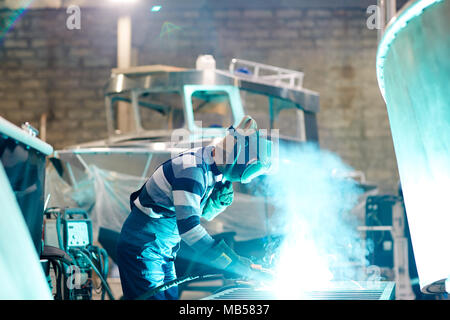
(168, 207)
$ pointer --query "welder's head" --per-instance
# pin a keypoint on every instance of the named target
(243, 154)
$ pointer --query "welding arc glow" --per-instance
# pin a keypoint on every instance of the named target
(312, 205)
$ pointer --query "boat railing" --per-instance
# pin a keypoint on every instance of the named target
(266, 73)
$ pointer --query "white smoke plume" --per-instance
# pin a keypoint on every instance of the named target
(313, 198)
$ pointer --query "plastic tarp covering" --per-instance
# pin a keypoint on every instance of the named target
(105, 195)
(21, 275)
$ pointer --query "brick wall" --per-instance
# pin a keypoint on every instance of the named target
(46, 68)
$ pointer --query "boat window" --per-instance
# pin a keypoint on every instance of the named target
(273, 113)
(257, 106)
(212, 109)
(161, 111)
(288, 118)
(123, 121)
(156, 111)
(290, 122)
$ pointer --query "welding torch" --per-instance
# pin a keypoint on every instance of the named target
(261, 274)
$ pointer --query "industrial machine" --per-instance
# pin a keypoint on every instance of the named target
(387, 241)
(379, 214)
(70, 230)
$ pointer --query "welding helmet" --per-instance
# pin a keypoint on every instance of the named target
(246, 153)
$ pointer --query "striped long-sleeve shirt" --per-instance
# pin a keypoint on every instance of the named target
(180, 187)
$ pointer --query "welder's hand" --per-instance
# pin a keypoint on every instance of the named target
(221, 197)
(221, 256)
(240, 268)
(247, 270)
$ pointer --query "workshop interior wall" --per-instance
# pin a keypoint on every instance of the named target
(46, 68)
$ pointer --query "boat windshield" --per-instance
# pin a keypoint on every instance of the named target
(156, 111)
(212, 109)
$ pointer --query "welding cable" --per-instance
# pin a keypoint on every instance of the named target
(57, 269)
(101, 258)
(104, 255)
(105, 259)
(65, 266)
(72, 253)
(89, 252)
(96, 261)
(105, 284)
(97, 258)
(173, 283)
(86, 254)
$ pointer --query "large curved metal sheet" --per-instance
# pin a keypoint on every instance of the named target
(413, 68)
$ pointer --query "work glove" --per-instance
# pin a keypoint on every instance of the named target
(221, 197)
(223, 257)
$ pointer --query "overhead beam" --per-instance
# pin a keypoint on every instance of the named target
(197, 4)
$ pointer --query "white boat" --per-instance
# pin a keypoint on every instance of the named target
(155, 111)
